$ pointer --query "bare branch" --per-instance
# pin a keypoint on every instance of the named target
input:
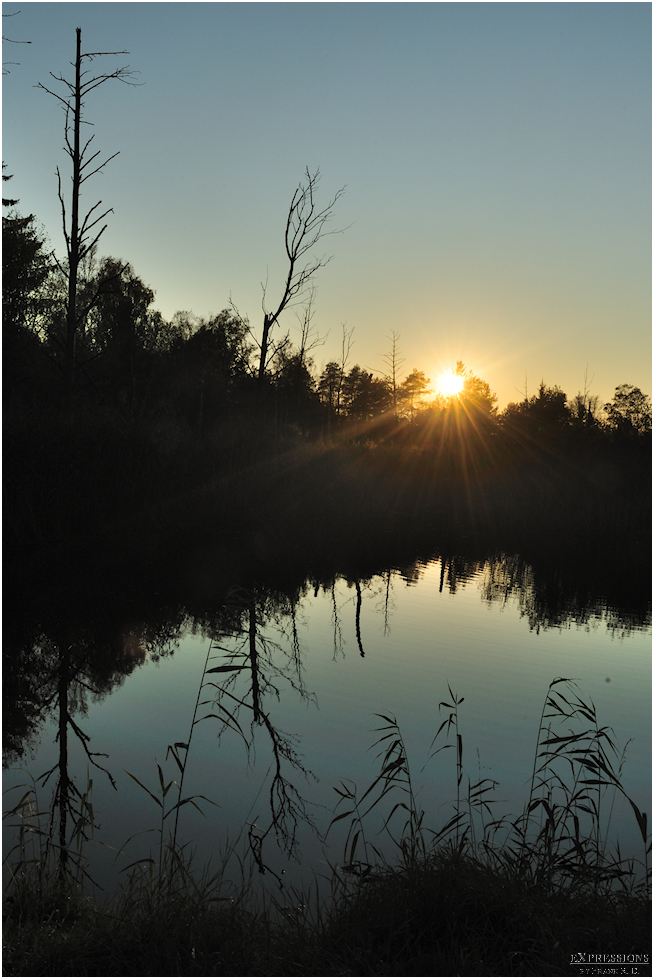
(85, 148)
(87, 227)
(55, 94)
(84, 166)
(309, 335)
(97, 169)
(121, 75)
(83, 252)
(11, 40)
(101, 290)
(305, 226)
(102, 54)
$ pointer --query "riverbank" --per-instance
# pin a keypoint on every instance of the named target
(449, 914)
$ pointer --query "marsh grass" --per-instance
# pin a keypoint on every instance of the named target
(36, 856)
(560, 840)
(478, 895)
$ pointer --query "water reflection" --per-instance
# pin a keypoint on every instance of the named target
(552, 602)
(255, 674)
(69, 666)
(102, 649)
(242, 676)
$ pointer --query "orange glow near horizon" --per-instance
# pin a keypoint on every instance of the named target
(448, 383)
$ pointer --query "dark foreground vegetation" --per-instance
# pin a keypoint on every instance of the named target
(481, 896)
(447, 916)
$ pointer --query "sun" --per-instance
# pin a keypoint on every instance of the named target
(448, 384)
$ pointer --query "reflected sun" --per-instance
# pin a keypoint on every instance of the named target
(448, 383)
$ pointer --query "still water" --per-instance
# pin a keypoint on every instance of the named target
(304, 676)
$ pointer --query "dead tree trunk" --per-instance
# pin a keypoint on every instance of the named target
(79, 240)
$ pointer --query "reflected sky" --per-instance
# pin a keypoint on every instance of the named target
(419, 638)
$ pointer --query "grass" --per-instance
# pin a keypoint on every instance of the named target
(477, 896)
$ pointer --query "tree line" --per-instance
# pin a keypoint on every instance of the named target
(129, 356)
(85, 328)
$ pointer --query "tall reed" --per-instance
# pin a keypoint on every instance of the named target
(560, 839)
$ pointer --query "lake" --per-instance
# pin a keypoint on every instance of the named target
(300, 676)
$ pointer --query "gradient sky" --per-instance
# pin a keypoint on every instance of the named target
(496, 159)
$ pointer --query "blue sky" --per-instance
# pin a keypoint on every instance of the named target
(496, 159)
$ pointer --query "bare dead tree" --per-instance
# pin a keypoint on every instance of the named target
(305, 226)
(310, 338)
(394, 362)
(585, 405)
(80, 233)
(346, 347)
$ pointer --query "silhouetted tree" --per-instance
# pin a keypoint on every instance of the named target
(80, 232)
(329, 386)
(410, 392)
(295, 388)
(330, 383)
(394, 362)
(540, 419)
(476, 394)
(25, 269)
(207, 361)
(305, 226)
(365, 396)
(630, 412)
(584, 409)
(119, 326)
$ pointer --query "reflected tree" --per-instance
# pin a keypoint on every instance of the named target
(99, 658)
(338, 634)
(254, 654)
(72, 669)
(389, 605)
(357, 618)
(548, 599)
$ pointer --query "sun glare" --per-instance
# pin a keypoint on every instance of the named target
(449, 383)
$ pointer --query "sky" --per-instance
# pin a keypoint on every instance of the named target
(496, 160)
